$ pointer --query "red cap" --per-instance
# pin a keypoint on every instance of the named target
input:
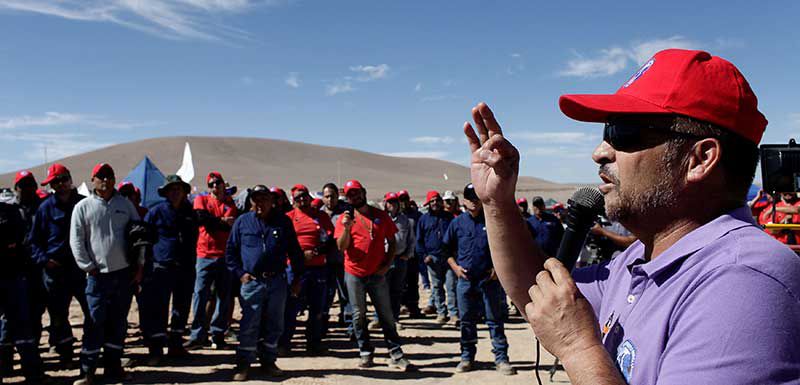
(277, 190)
(126, 184)
(390, 196)
(317, 203)
(402, 193)
(684, 82)
(42, 194)
(214, 175)
(431, 196)
(352, 184)
(299, 187)
(24, 174)
(521, 201)
(558, 206)
(101, 167)
(55, 170)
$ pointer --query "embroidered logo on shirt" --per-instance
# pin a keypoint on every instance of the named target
(626, 358)
(607, 326)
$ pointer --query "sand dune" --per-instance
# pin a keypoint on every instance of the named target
(248, 161)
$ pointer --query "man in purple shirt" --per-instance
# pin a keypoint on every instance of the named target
(704, 296)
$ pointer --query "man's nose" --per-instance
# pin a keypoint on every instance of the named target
(604, 153)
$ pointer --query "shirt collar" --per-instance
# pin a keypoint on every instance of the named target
(696, 240)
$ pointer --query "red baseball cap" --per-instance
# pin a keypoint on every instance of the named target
(214, 175)
(126, 185)
(299, 187)
(24, 174)
(277, 190)
(100, 167)
(431, 196)
(42, 194)
(678, 81)
(54, 171)
(521, 201)
(352, 184)
(390, 196)
(402, 193)
(317, 203)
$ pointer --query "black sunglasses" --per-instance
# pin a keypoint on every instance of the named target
(629, 134)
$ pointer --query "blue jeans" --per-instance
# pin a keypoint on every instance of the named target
(313, 294)
(210, 271)
(160, 282)
(443, 288)
(378, 290)
(62, 284)
(14, 305)
(108, 296)
(474, 295)
(336, 285)
(263, 303)
(423, 273)
(396, 280)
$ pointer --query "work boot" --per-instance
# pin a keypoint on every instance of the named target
(464, 366)
(401, 364)
(85, 379)
(218, 343)
(272, 370)
(441, 319)
(429, 310)
(194, 344)
(365, 362)
(505, 369)
(241, 372)
(399, 326)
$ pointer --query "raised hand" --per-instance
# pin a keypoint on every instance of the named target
(494, 164)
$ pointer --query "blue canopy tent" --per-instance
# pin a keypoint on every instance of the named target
(148, 178)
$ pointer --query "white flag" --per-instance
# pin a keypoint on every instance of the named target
(186, 172)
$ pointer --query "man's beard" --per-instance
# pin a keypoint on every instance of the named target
(358, 203)
(632, 204)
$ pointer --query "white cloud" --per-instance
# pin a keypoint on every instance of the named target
(171, 19)
(612, 60)
(438, 98)
(57, 145)
(339, 88)
(554, 137)
(418, 154)
(418, 87)
(247, 81)
(61, 119)
(293, 80)
(369, 72)
(516, 55)
(432, 140)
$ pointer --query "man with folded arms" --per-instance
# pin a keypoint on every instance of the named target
(704, 296)
(430, 236)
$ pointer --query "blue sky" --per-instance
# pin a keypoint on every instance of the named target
(387, 77)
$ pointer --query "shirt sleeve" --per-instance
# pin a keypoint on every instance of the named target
(450, 239)
(233, 256)
(420, 239)
(77, 240)
(339, 229)
(737, 323)
(389, 228)
(39, 238)
(294, 251)
(412, 238)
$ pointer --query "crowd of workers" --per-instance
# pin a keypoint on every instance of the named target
(279, 257)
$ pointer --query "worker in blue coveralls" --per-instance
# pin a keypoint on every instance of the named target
(170, 272)
(258, 247)
(14, 300)
(63, 280)
(477, 284)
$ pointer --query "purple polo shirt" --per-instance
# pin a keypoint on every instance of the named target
(719, 307)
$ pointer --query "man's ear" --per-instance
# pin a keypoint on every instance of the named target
(704, 159)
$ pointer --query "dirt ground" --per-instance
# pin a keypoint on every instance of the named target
(432, 349)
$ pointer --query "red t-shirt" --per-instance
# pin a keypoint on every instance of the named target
(784, 236)
(211, 244)
(367, 247)
(310, 230)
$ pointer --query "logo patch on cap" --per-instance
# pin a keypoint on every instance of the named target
(639, 73)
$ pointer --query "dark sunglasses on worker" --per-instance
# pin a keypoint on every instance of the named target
(638, 132)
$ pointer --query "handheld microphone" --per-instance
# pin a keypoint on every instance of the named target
(584, 206)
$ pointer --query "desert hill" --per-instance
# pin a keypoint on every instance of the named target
(248, 161)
